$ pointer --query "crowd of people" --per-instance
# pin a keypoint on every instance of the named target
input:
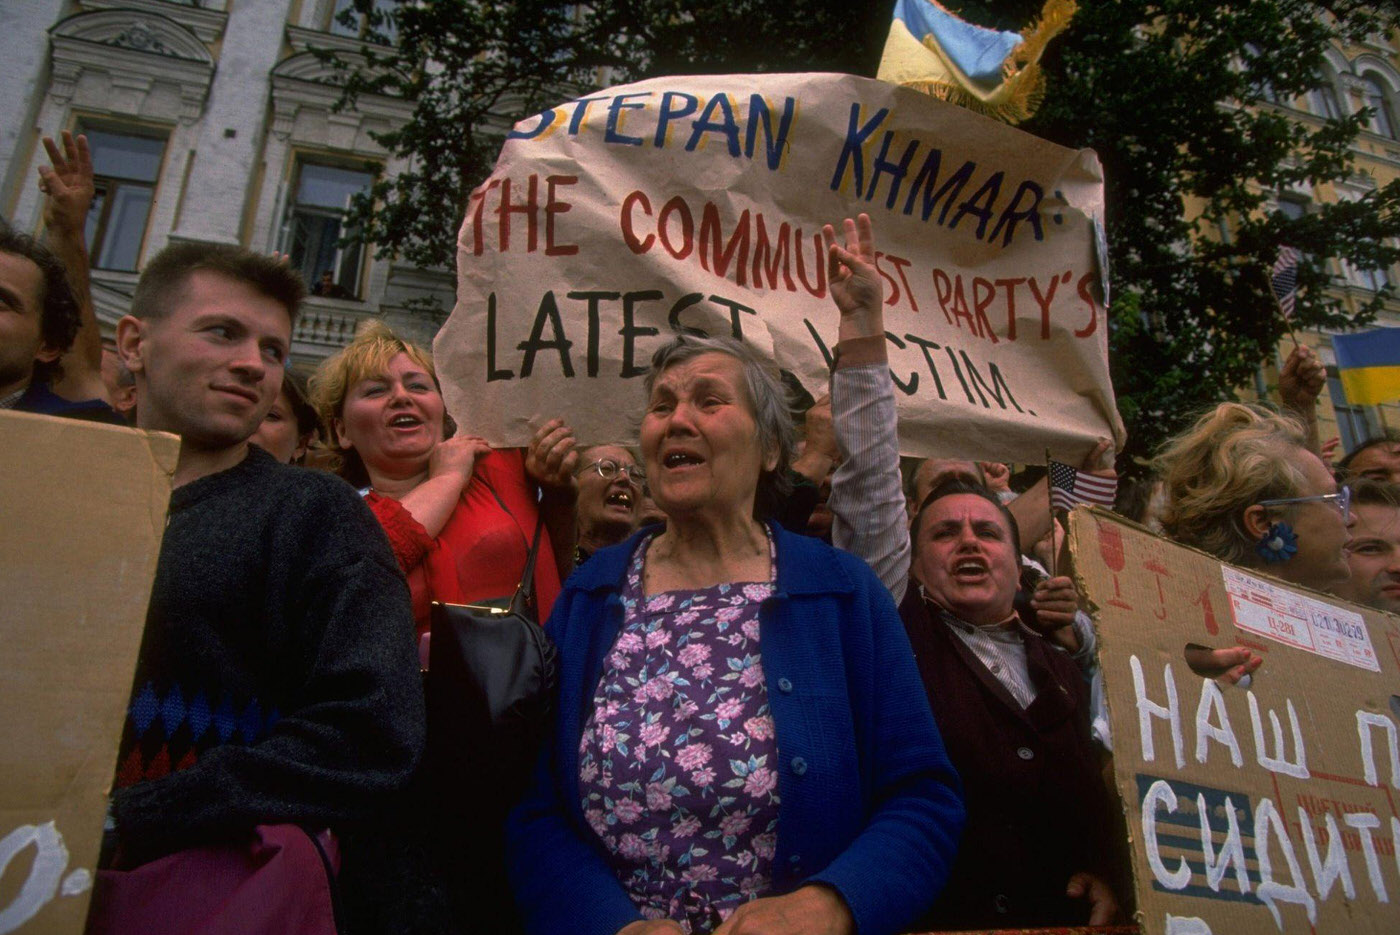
(803, 685)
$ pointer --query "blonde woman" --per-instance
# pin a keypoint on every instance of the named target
(1242, 485)
(459, 514)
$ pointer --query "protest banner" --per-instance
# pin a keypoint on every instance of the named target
(696, 204)
(82, 511)
(1259, 809)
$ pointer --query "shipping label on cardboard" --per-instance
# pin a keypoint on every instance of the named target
(1298, 620)
(1271, 808)
(82, 511)
(614, 222)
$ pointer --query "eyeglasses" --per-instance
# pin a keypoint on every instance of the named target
(607, 469)
(1341, 500)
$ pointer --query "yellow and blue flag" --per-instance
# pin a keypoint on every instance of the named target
(1368, 364)
(991, 71)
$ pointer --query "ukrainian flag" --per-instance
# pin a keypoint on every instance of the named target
(1368, 365)
(991, 71)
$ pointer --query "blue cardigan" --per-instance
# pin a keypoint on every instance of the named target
(869, 803)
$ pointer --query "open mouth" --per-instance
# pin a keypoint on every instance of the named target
(679, 459)
(619, 498)
(970, 569)
(405, 421)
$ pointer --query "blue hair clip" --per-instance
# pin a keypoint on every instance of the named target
(1279, 544)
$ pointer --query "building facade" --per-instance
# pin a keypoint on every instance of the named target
(1363, 76)
(211, 120)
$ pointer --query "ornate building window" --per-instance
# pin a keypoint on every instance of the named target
(346, 20)
(1323, 100)
(125, 169)
(1382, 119)
(315, 223)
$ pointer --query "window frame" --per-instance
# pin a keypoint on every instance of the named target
(1377, 98)
(357, 292)
(389, 30)
(106, 188)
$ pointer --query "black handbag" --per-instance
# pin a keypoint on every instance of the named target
(490, 697)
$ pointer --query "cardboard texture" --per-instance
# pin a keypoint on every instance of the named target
(82, 511)
(1271, 808)
(612, 222)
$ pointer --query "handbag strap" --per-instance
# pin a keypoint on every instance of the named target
(524, 596)
(525, 591)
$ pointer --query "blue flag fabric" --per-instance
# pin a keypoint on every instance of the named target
(980, 53)
(1368, 365)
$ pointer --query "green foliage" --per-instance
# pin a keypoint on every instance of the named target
(1175, 96)
(1176, 99)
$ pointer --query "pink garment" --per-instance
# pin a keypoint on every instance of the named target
(678, 761)
(275, 884)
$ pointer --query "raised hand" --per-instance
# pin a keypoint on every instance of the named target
(1301, 380)
(553, 455)
(856, 286)
(68, 184)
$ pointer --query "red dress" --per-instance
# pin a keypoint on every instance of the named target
(481, 552)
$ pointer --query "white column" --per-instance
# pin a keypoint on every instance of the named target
(230, 133)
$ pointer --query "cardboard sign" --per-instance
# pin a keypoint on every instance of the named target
(1271, 808)
(615, 221)
(82, 511)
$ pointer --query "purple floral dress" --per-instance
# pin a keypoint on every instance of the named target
(678, 762)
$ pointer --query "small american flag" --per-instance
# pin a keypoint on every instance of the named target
(1285, 279)
(1069, 487)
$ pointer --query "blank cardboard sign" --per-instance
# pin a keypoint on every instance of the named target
(1271, 808)
(82, 510)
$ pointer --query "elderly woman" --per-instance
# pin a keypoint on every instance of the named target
(1242, 485)
(742, 743)
(610, 486)
(459, 514)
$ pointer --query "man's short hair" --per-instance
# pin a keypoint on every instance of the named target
(164, 277)
(953, 487)
(1388, 437)
(60, 316)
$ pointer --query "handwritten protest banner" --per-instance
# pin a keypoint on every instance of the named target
(696, 204)
(1271, 808)
(82, 511)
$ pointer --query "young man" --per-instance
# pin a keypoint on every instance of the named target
(278, 681)
(39, 319)
(1374, 549)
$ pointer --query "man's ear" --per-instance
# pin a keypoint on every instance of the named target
(47, 354)
(1256, 522)
(130, 331)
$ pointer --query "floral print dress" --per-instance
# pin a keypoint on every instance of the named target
(678, 761)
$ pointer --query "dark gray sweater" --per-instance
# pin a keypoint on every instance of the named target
(278, 679)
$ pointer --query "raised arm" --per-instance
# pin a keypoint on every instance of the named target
(550, 462)
(867, 498)
(1299, 384)
(68, 189)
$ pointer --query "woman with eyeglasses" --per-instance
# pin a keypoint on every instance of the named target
(1242, 485)
(459, 514)
(610, 491)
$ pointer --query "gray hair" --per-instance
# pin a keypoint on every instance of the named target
(767, 398)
